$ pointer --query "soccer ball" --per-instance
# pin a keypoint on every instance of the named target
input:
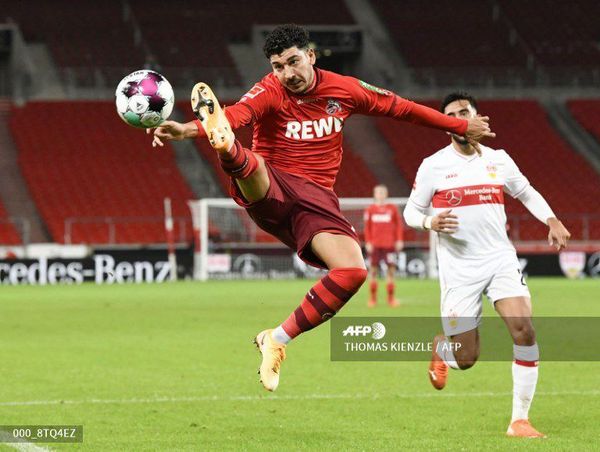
(144, 99)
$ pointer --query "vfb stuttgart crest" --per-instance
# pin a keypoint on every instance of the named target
(333, 107)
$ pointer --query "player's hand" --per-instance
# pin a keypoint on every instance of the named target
(478, 129)
(399, 246)
(168, 130)
(369, 247)
(558, 235)
(445, 222)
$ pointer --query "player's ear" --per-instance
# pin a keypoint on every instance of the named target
(312, 57)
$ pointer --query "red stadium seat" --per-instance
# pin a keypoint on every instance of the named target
(8, 232)
(89, 164)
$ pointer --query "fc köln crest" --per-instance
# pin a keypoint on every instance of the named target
(572, 263)
(333, 106)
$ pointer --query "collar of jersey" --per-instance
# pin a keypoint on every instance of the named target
(468, 158)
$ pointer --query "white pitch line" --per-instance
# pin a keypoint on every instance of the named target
(286, 397)
(22, 446)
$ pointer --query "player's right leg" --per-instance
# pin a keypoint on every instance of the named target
(461, 314)
(373, 270)
(391, 284)
(459, 352)
(343, 257)
(247, 168)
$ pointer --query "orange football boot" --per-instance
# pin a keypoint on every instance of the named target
(273, 353)
(522, 428)
(394, 303)
(207, 109)
(438, 369)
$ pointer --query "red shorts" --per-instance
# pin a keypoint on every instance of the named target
(388, 255)
(294, 210)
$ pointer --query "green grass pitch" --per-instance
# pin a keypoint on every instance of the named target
(172, 367)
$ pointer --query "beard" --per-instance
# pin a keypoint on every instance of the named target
(460, 139)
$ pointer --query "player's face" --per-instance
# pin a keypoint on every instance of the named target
(380, 194)
(460, 109)
(294, 68)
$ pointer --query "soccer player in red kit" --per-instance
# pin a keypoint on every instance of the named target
(383, 240)
(285, 182)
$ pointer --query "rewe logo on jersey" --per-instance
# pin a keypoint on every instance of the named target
(381, 217)
(307, 130)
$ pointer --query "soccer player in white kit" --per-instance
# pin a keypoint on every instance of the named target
(465, 187)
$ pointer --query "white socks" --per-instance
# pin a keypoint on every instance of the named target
(525, 377)
(280, 335)
(444, 349)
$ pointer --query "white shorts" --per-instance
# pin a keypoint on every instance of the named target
(461, 306)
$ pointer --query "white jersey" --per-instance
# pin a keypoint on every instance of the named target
(473, 187)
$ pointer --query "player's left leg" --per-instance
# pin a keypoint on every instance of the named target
(516, 313)
(347, 272)
(247, 168)
(460, 352)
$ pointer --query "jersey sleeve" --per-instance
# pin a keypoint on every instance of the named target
(256, 103)
(374, 101)
(367, 221)
(515, 182)
(423, 188)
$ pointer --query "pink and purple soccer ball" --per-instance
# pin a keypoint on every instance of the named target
(144, 99)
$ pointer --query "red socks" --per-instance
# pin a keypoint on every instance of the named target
(239, 162)
(390, 291)
(325, 299)
(373, 289)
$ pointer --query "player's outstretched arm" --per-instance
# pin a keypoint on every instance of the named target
(172, 130)
(558, 235)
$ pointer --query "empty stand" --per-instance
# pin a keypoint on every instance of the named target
(587, 113)
(82, 162)
(454, 34)
(8, 232)
(523, 130)
(559, 33)
(83, 36)
(190, 41)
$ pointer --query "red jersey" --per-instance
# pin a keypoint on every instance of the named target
(383, 227)
(302, 133)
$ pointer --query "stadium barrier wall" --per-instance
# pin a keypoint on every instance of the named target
(151, 265)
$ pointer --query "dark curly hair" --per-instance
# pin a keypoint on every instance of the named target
(458, 95)
(283, 37)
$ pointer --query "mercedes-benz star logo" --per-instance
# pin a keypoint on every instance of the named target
(453, 197)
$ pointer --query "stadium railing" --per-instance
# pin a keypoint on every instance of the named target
(113, 228)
